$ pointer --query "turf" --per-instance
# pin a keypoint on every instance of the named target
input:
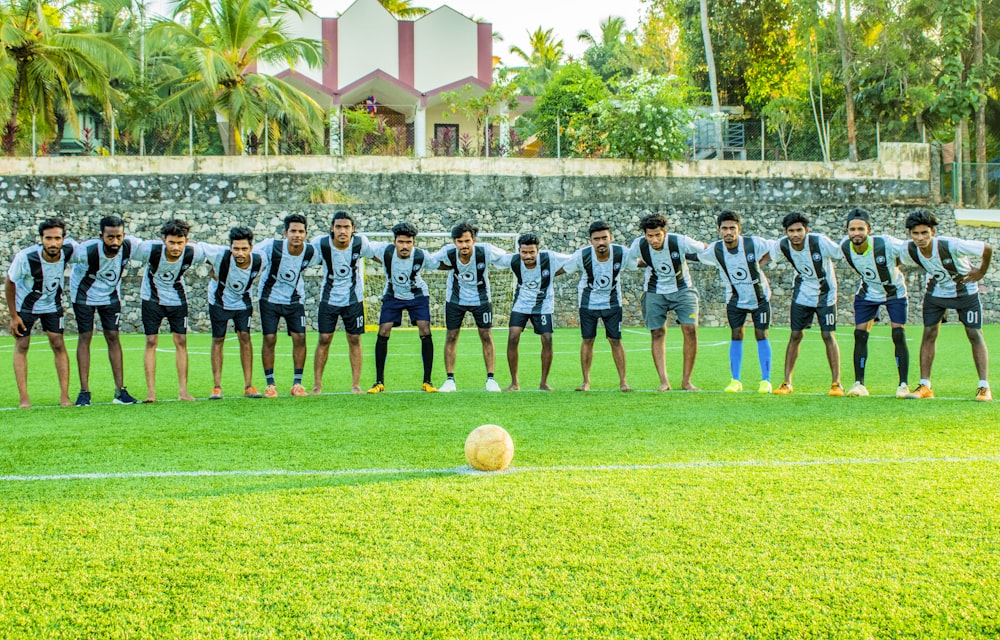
(624, 515)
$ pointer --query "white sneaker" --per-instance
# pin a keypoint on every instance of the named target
(448, 386)
(491, 385)
(902, 390)
(857, 390)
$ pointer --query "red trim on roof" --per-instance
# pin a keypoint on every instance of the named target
(485, 41)
(329, 31)
(305, 80)
(378, 74)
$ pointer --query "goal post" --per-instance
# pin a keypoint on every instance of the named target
(502, 281)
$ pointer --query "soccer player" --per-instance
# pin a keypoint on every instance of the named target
(281, 296)
(951, 284)
(739, 259)
(668, 287)
(34, 289)
(95, 283)
(164, 295)
(814, 293)
(234, 268)
(342, 297)
(405, 290)
(468, 291)
(599, 297)
(876, 259)
(534, 301)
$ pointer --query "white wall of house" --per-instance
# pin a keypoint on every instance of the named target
(368, 39)
(445, 47)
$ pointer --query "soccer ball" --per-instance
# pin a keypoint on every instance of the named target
(489, 448)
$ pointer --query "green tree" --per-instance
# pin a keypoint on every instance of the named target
(613, 53)
(540, 63)
(565, 107)
(42, 63)
(219, 43)
(403, 8)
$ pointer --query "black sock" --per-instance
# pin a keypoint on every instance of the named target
(269, 376)
(489, 375)
(427, 355)
(860, 354)
(381, 351)
(902, 353)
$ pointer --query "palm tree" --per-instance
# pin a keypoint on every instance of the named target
(219, 42)
(403, 8)
(545, 57)
(43, 63)
(613, 32)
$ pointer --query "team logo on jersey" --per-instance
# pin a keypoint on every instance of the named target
(51, 286)
(417, 267)
(869, 274)
(532, 284)
(288, 276)
(664, 268)
(947, 261)
(751, 257)
(165, 277)
(740, 275)
(880, 259)
(400, 278)
(816, 257)
(467, 276)
(480, 265)
(343, 271)
(236, 286)
(109, 276)
(545, 273)
(602, 282)
(675, 255)
(355, 256)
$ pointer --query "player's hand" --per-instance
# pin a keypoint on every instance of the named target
(17, 328)
(973, 276)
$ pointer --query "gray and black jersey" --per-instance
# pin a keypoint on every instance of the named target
(281, 278)
(96, 279)
(403, 280)
(230, 288)
(38, 284)
(746, 285)
(666, 269)
(343, 278)
(600, 285)
(815, 281)
(947, 265)
(469, 283)
(163, 280)
(881, 279)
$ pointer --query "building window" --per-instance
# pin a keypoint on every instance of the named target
(445, 142)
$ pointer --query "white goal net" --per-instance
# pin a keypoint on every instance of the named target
(502, 282)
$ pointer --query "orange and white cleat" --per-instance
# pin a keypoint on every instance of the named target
(837, 390)
(922, 392)
(784, 389)
(271, 391)
(983, 394)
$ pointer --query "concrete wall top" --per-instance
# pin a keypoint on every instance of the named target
(903, 169)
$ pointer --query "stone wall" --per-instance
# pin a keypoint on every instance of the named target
(556, 199)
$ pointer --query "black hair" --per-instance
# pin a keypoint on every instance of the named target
(175, 227)
(342, 215)
(527, 238)
(857, 213)
(919, 217)
(653, 221)
(463, 228)
(51, 223)
(407, 229)
(598, 225)
(795, 217)
(295, 217)
(111, 221)
(240, 233)
(728, 216)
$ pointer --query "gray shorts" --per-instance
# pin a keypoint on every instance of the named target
(656, 306)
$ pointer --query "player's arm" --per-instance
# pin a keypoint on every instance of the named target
(977, 273)
(635, 255)
(572, 264)
(141, 253)
(439, 259)
(498, 257)
(17, 328)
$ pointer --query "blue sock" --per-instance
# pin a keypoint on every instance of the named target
(736, 358)
(764, 355)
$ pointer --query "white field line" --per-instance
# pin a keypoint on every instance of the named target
(465, 470)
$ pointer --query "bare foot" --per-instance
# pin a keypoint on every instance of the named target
(584, 387)
(356, 389)
(318, 391)
(545, 387)
(687, 386)
(65, 402)
(186, 397)
(149, 400)
(25, 404)
(664, 387)
(513, 386)
(624, 388)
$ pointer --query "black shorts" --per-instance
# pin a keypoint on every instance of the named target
(419, 309)
(454, 314)
(968, 308)
(153, 314)
(110, 315)
(761, 316)
(612, 323)
(51, 322)
(220, 317)
(271, 314)
(353, 316)
(802, 317)
(542, 322)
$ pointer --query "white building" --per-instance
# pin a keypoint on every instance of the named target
(397, 68)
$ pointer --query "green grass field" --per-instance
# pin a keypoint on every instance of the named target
(623, 515)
